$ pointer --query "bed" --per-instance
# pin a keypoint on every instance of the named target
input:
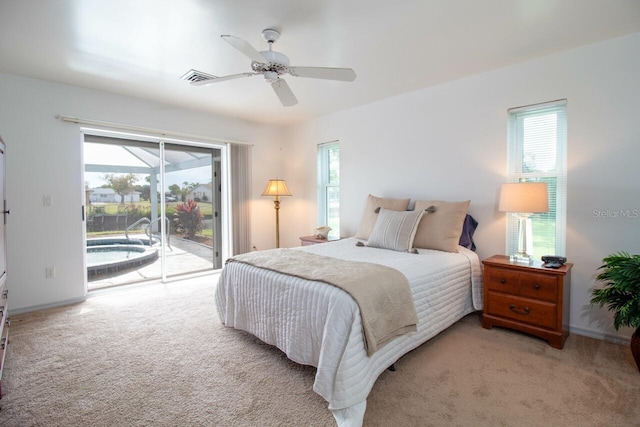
(317, 324)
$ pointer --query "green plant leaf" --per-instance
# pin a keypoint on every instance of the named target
(620, 277)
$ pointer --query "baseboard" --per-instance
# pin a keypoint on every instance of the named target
(616, 339)
(33, 308)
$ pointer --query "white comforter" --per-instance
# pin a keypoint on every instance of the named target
(318, 324)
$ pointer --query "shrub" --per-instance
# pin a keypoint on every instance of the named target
(188, 218)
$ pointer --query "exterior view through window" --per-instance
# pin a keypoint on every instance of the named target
(329, 187)
(131, 236)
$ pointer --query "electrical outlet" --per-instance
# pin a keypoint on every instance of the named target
(50, 272)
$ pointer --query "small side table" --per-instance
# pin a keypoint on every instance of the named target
(528, 298)
(313, 240)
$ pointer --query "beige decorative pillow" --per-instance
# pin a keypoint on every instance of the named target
(441, 229)
(370, 215)
(394, 230)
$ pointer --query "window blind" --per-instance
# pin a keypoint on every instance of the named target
(537, 148)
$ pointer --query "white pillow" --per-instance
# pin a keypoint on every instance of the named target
(371, 212)
(395, 230)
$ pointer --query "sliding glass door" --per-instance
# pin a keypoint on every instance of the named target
(153, 209)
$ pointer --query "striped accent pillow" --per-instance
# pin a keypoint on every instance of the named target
(395, 230)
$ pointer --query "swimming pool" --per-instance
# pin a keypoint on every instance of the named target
(115, 255)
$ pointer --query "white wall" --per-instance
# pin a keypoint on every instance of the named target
(449, 142)
(44, 157)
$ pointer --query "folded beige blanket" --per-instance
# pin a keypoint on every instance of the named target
(382, 293)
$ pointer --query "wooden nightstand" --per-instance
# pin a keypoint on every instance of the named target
(528, 298)
(313, 240)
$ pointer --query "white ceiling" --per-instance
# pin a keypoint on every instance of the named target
(141, 48)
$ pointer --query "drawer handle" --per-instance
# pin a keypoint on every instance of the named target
(523, 312)
(5, 294)
(503, 281)
(536, 286)
(4, 343)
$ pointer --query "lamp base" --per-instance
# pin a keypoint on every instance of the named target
(521, 259)
(524, 236)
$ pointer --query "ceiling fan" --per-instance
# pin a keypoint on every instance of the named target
(272, 65)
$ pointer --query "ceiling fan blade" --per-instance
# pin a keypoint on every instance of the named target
(342, 74)
(244, 47)
(287, 98)
(221, 79)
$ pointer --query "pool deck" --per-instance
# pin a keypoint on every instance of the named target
(183, 257)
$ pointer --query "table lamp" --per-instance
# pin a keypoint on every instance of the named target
(523, 199)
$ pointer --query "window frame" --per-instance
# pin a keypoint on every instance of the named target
(324, 184)
(516, 172)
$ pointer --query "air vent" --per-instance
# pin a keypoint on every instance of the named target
(194, 76)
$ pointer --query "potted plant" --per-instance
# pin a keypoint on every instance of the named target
(621, 293)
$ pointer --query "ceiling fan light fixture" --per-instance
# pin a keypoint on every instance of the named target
(270, 76)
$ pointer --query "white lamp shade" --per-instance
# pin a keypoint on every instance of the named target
(524, 197)
(276, 187)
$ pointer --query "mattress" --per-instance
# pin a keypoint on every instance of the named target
(317, 324)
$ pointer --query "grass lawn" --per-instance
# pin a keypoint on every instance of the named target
(544, 237)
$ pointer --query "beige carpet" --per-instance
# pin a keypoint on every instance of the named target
(158, 356)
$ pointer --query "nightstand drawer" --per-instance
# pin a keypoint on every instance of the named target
(529, 285)
(524, 310)
(499, 279)
(539, 286)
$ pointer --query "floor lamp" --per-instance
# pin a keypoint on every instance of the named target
(277, 188)
(522, 199)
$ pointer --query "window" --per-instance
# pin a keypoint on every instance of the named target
(329, 186)
(537, 150)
